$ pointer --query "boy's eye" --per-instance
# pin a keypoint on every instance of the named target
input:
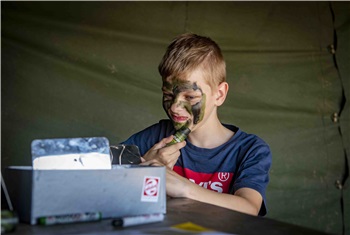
(193, 99)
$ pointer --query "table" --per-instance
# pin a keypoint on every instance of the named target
(180, 211)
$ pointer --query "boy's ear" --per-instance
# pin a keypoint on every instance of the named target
(221, 93)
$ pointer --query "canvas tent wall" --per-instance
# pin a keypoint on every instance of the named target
(75, 69)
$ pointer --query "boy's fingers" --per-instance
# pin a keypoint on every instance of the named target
(151, 163)
(163, 142)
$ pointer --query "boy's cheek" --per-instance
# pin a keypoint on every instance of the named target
(198, 110)
(167, 105)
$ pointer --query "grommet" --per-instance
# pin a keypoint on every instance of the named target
(335, 117)
(331, 49)
(338, 184)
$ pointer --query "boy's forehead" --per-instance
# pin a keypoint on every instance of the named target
(194, 81)
(176, 84)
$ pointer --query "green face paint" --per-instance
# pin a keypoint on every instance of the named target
(198, 110)
(189, 93)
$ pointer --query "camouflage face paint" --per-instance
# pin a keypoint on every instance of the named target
(198, 110)
(171, 93)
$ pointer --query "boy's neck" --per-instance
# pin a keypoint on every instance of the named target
(210, 135)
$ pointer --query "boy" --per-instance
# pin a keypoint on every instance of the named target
(218, 163)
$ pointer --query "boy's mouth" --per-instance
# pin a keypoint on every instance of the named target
(179, 119)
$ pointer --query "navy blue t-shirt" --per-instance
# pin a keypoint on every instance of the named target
(243, 161)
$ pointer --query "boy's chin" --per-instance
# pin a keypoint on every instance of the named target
(178, 125)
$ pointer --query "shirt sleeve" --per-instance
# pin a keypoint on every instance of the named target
(253, 171)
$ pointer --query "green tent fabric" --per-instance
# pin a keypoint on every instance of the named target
(79, 69)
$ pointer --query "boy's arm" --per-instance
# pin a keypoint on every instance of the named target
(245, 200)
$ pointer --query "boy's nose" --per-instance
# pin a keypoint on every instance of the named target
(176, 106)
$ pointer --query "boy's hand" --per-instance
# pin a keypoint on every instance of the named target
(176, 185)
(166, 155)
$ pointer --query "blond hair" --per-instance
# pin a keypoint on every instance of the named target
(188, 52)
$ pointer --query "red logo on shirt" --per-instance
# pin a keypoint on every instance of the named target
(223, 176)
(217, 181)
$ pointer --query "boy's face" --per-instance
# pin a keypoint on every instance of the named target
(184, 101)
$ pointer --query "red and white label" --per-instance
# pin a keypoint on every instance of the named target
(150, 189)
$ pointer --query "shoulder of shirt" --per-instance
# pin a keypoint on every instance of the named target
(244, 135)
(151, 134)
(162, 129)
(165, 122)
